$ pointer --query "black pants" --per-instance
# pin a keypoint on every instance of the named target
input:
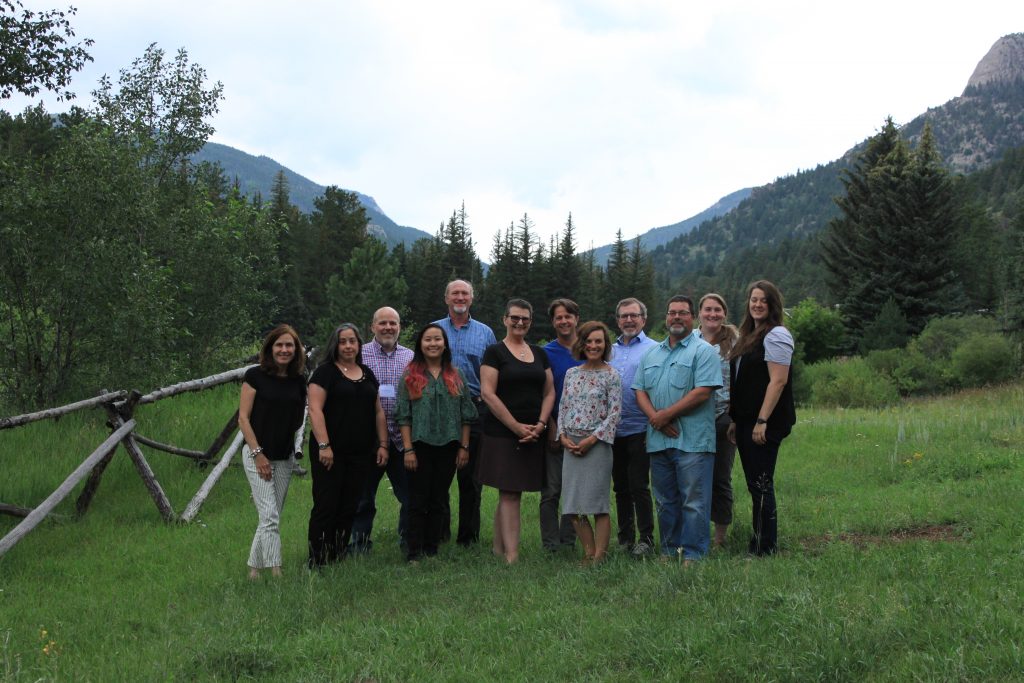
(469, 490)
(336, 492)
(631, 476)
(759, 470)
(428, 496)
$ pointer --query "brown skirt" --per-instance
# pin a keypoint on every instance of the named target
(507, 465)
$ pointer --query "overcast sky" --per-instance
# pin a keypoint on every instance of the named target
(631, 114)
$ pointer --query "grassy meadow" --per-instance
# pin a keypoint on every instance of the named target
(903, 559)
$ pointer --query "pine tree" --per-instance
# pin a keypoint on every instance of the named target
(895, 237)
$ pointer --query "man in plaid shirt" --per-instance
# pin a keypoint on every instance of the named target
(387, 359)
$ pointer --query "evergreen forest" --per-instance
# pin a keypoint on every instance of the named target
(126, 262)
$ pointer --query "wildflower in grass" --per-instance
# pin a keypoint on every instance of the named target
(918, 456)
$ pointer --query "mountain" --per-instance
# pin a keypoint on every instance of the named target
(256, 174)
(774, 232)
(656, 237)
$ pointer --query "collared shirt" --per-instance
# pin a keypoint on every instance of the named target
(388, 368)
(468, 344)
(667, 374)
(436, 417)
(625, 359)
(561, 360)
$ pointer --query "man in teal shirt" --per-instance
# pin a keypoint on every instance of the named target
(673, 384)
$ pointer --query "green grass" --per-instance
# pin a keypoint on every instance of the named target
(122, 596)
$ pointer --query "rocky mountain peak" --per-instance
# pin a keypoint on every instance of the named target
(1003, 63)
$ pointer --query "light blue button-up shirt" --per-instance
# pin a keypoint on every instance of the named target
(626, 358)
(667, 374)
(468, 344)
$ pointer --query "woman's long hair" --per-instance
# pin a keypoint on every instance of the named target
(330, 354)
(416, 373)
(751, 335)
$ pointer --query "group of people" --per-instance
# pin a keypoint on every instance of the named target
(586, 415)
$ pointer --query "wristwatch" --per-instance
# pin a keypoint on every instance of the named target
(762, 421)
(324, 445)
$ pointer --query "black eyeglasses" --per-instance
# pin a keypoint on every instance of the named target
(629, 316)
(680, 314)
(519, 319)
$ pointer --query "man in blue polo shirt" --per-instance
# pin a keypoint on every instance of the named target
(467, 339)
(673, 384)
(556, 530)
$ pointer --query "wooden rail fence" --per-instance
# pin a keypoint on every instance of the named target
(120, 408)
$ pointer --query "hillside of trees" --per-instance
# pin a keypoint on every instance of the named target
(125, 262)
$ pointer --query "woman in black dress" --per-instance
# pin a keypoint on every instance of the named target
(349, 428)
(270, 411)
(518, 388)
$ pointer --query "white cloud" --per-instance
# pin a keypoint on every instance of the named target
(631, 114)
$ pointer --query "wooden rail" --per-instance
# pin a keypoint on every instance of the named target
(36, 516)
(120, 407)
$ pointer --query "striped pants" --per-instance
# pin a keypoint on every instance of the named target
(269, 498)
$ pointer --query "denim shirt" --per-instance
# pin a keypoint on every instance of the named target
(667, 374)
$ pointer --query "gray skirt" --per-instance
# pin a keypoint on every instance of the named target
(587, 481)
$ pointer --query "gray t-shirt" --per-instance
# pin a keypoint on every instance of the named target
(778, 346)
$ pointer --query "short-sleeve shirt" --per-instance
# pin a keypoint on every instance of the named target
(350, 410)
(388, 368)
(276, 411)
(468, 344)
(520, 386)
(667, 374)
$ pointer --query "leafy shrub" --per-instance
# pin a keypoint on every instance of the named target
(885, 361)
(818, 330)
(983, 359)
(941, 336)
(850, 383)
(918, 374)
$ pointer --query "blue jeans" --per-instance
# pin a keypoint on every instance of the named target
(682, 493)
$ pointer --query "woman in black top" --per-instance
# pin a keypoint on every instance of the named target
(518, 388)
(348, 429)
(761, 405)
(269, 413)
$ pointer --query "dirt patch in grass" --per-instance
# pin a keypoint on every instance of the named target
(947, 533)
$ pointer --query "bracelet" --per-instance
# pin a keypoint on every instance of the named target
(464, 446)
(382, 446)
(323, 445)
(256, 451)
(409, 450)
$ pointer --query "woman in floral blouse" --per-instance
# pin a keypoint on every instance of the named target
(588, 416)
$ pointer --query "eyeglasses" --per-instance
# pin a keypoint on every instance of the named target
(680, 314)
(630, 316)
(519, 319)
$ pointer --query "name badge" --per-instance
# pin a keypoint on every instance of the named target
(387, 390)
